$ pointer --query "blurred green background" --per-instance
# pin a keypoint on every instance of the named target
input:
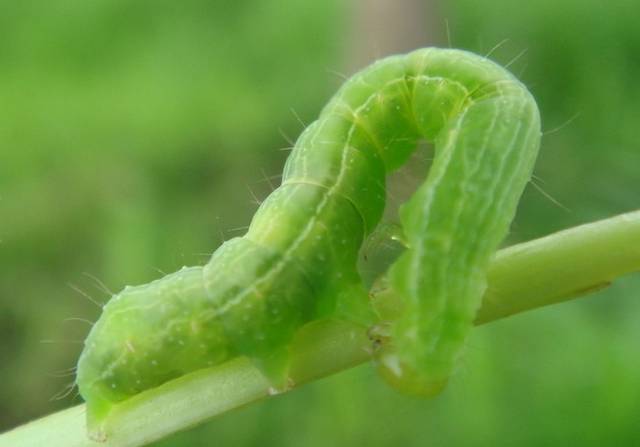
(133, 136)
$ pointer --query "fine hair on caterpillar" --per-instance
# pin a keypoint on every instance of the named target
(297, 262)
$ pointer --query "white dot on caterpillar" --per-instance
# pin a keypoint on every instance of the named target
(154, 362)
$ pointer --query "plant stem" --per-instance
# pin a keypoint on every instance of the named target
(545, 271)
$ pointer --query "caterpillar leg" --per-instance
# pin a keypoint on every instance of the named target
(98, 409)
(275, 367)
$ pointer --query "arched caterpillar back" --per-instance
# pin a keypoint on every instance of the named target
(297, 262)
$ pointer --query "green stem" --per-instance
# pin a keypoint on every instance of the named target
(545, 271)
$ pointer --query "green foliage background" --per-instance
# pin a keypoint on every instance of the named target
(129, 132)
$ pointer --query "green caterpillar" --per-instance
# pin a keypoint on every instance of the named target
(297, 261)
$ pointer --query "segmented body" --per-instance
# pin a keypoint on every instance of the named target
(297, 262)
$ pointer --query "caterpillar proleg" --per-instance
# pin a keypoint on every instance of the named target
(297, 261)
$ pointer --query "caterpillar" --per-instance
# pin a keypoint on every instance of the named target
(297, 261)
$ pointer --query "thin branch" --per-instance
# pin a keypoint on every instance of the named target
(556, 268)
